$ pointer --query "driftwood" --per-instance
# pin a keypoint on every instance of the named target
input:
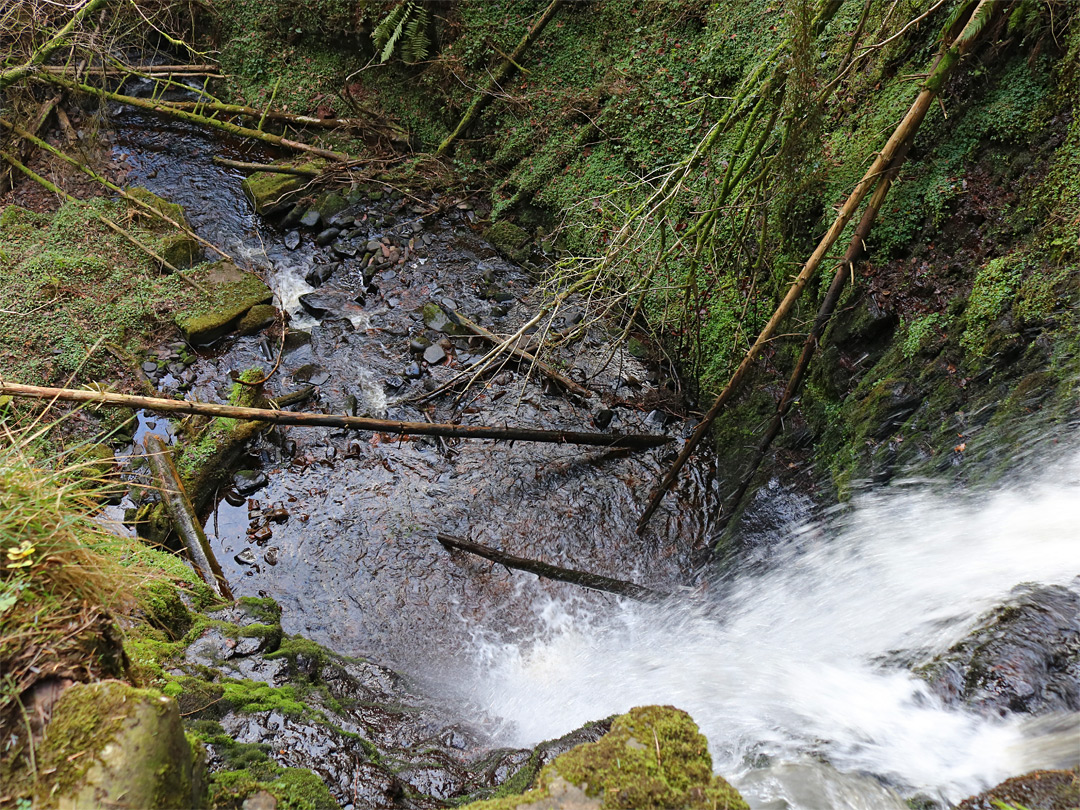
(903, 133)
(595, 581)
(182, 513)
(193, 118)
(504, 71)
(264, 167)
(521, 354)
(104, 398)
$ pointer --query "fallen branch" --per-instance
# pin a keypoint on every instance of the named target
(55, 189)
(57, 41)
(104, 398)
(182, 513)
(946, 63)
(22, 151)
(825, 311)
(268, 115)
(200, 120)
(270, 168)
(595, 581)
(144, 206)
(498, 77)
(521, 354)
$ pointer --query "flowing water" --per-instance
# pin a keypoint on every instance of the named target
(796, 666)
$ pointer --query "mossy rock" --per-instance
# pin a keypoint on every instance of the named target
(180, 250)
(509, 239)
(258, 318)
(435, 318)
(111, 745)
(173, 211)
(330, 204)
(266, 190)
(233, 293)
(653, 758)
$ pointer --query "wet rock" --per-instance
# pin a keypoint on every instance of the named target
(435, 318)
(311, 219)
(337, 303)
(1023, 657)
(150, 367)
(418, 345)
(321, 273)
(1038, 790)
(374, 247)
(292, 219)
(413, 371)
(271, 555)
(602, 418)
(292, 240)
(234, 498)
(345, 250)
(312, 374)
(245, 557)
(246, 482)
(324, 238)
(434, 354)
(509, 239)
(393, 383)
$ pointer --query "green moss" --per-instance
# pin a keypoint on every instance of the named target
(233, 293)
(994, 287)
(922, 333)
(265, 190)
(508, 238)
(654, 757)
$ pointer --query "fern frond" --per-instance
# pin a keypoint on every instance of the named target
(415, 47)
(390, 24)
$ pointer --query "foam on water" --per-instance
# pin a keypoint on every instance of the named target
(795, 660)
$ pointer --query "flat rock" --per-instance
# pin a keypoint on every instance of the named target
(292, 240)
(434, 354)
(246, 482)
(232, 293)
(311, 218)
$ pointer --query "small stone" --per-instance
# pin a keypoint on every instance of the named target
(374, 247)
(321, 273)
(326, 237)
(247, 482)
(311, 218)
(262, 535)
(502, 296)
(434, 354)
(341, 220)
(419, 345)
(234, 498)
(245, 557)
(271, 557)
(413, 372)
(292, 240)
(149, 367)
(448, 303)
(393, 383)
(602, 418)
(346, 250)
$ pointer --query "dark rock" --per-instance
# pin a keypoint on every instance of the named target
(271, 555)
(337, 303)
(1023, 657)
(258, 318)
(602, 418)
(393, 383)
(326, 237)
(413, 371)
(321, 273)
(311, 374)
(501, 296)
(292, 240)
(346, 250)
(234, 498)
(311, 218)
(248, 481)
(418, 345)
(434, 354)
(149, 367)
(374, 247)
(292, 219)
(1044, 790)
(435, 318)
(245, 557)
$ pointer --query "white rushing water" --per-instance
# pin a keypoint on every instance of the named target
(789, 662)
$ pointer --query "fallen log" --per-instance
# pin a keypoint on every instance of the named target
(182, 513)
(521, 354)
(160, 405)
(947, 61)
(264, 167)
(596, 582)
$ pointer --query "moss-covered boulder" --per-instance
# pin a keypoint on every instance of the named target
(111, 745)
(175, 246)
(509, 239)
(1038, 790)
(654, 757)
(258, 318)
(267, 190)
(233, 292)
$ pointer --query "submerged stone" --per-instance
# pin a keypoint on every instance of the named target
(292, 240)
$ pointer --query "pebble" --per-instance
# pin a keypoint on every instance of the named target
(245, 557)
(271, 555)
(419, 345)
(149, 367)
(326, 237)
(310, 219)
(434, 354)
(321, 273)
(393, 382)
(248, 481)
(413, 372)
(292, 240)
(602, 418)
(344, 249)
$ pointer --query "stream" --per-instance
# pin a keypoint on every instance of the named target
(796, 662)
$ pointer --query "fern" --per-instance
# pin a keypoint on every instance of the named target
(415, 47)
(407, 23)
